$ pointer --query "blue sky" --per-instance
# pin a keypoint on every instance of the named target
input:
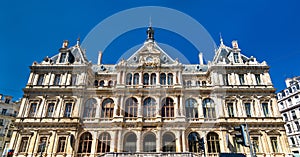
(32, 29)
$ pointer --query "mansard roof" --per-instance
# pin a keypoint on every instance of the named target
(226, 55)
(74, 55)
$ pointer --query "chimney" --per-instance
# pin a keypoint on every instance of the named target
(65, 44)
(200, 58)
(235, 44)
(100, 58)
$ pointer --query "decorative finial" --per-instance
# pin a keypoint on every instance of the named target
(221, 39)
(150, 22)
(150, 33)
(78, 41)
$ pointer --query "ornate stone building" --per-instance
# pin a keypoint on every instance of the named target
(289, 107)
(149, 103)
(8, 113)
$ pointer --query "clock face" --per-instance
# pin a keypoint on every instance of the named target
(149, 59)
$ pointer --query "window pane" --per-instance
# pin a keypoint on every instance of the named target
(68, 110)
(50, 110)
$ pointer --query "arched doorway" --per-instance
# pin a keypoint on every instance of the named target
(169, 144)
(130, 143)
(149, 143)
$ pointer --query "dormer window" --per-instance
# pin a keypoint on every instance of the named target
(62, 57)
(40, 79)
(236, 57)
(257, 78)
(56, 79)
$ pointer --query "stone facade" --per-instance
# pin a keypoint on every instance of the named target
(289, 107)
(8, 114)
(149, 103)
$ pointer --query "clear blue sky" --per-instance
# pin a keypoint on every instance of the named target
(30, 30)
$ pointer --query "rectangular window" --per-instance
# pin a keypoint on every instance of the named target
(32, 109)
(62, 57)
(297, 125)
(23, 144)
(68, 110)
(73, 79)
(285, 117)
(1, 122)
(42, 144)
(294, 115)
(61, 144)
(4, 111)
(236, 57)
(50, 110)
(230, 109)
(290, 102)
(265, 107)
(56, 79)
(255, 143)
(257, 78)
(225, 79)
(242, 79)
(40, 79)
(248, 109)
(274, 144)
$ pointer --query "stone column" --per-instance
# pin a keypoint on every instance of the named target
(177, 137)
(98, 108)
(40, 109)
(140, 109)
(30, 80)
(157, 78)
(35, 78)
(140, 79)
(139, 141)
(181, 105)
(200, 108)
(183, 141)
(158, 140)
(176, 107)
(113, 144)
(119, 141)
(94, 142)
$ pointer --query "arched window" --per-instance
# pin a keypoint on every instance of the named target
(169, 142)
(149, 108)
(191, 108)
(90, 108)
(85, 143)
(130, 143)
(149, 144)
(167, 107)
(163, 79)
(96, 83)
(153, 79)
(209, 109)
(103, 143)
(136, 78)
(107, 108)
(203, 83)
(193, 140)
(146, 79)
(131, 106)
(128, 79)
(110, 83)
(213, 143)
(101, 84)
(170, 79)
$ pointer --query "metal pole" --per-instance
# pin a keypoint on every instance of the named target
(250, 143)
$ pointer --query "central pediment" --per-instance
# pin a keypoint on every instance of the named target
(150, 54)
